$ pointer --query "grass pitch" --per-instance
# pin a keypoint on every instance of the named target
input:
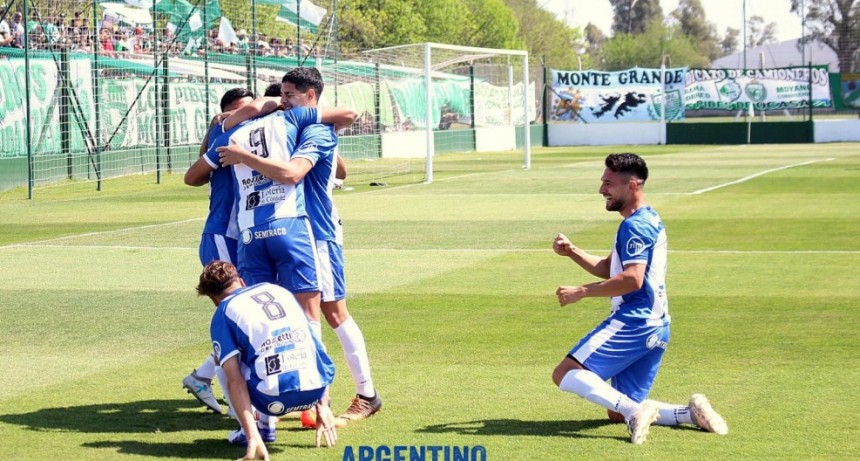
(453, 285)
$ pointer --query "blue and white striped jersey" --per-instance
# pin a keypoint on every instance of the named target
(222, 212)
(277, 351)
(641, 238)
(318, 144)
(260, 199)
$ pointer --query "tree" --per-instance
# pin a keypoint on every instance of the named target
(494, 25)
(836, 23)
(445, 21)
(760, 33)
(691, 17)
(634, 16)
(366, 24)
(594, 39)
(647, 49)
(729, 43)
(545, 36)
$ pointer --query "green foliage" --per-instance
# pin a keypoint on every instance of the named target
(634, 16)
(624, 51)
(691, 18)
(836, 23)
(545, 36)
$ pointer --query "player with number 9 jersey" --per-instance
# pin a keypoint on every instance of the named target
(276, 243)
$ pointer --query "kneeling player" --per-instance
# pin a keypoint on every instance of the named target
(273, 361)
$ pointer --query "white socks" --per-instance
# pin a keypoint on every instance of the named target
(355, 353)
(588, 385)
(206, 370)
(673, 415)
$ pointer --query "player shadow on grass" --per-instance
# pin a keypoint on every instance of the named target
(145, 416)
(201, 448)
(516, 427)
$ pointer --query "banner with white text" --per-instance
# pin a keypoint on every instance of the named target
(630, 95)
(766, 89)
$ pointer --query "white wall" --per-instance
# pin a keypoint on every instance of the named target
(601, 134)
(836, 130)
(495, 138)
(405, 144)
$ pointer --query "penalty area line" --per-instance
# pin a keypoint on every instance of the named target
(756, 175)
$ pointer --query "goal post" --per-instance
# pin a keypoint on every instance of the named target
(450, 98)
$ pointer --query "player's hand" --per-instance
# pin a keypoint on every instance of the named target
(231, 154)
(569, 295)
(562, 246)
(326, 426)
(256, 450)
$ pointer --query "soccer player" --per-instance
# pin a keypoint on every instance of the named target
(218, 241)
(273, 361)
(628, 346)
(276, 243)
(316, 151)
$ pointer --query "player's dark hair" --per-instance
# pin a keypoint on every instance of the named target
(234, 94)
(217, 276)
(305, 78)
(629, 164)
(273, 90)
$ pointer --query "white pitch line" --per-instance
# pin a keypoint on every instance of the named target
(760, 173)
(91, 234)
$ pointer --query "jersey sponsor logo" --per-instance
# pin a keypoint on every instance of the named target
(273, 364)
(287, 338)
(276, 408)
(635, 246)
(254, 181)
(294, 360)
(264, 234)
(654, 341)
(265, 197)
(246, 236)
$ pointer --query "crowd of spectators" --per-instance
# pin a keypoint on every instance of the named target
(117, 39)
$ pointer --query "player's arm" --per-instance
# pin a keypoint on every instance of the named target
(237, 389)
(594, 265)
(627, 281)
(340, 117)
(340, 171)
(256, 108)
(284, 172)
(204, 144)
(199, 172)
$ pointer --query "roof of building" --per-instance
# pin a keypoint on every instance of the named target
(782, 54)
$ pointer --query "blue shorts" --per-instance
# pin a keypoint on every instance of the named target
(282, 252)
(287, 402)
(332, 282)
(217, 247)
(629, 355)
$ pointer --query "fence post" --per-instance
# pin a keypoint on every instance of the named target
(97, 138)
(165, 111)
(65, 132)
(377, 109)
(30, 173)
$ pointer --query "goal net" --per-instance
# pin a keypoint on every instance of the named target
(418, 101)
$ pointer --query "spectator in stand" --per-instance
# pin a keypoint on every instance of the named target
(106, 47)
(6, 37)
(17, 28)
